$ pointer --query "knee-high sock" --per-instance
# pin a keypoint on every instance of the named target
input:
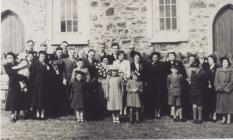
(228, 118)
(77, 114)
(81, 115)
(180, 110)
(200, 113)
(113, 116)
(194, 112)
(173, 111)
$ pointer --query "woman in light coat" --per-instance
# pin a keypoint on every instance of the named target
(224, 88)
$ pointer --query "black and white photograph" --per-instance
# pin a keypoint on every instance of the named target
(116, 69)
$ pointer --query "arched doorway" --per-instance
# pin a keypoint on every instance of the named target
(12, 32)
(223, 32)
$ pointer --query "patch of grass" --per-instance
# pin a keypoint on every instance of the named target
(66, 128)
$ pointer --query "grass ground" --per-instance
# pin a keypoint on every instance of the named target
(66, 128)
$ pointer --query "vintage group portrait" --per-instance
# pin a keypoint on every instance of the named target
(116, 69)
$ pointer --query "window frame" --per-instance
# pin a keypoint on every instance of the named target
(54, 24)
(159, 36)
(164, 16)
(65, 18)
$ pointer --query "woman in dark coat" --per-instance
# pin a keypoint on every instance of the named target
(39, 79)
(224, 88)
(211, 93)
(14, 101)
(57, 87)
(155, 78)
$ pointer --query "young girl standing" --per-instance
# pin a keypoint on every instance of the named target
(114, 93)
(77, 95)
(174, 85)
(134, 89)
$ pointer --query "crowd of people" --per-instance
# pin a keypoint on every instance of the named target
(95, 84)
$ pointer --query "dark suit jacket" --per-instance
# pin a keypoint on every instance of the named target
(141, 70)
(111, 59)
(69, 66)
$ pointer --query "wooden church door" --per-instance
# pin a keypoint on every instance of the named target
(12, 33)
(223, 32)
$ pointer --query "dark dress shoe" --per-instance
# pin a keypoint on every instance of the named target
(42, 118)
(175, 120)
(199, 121)
(214, 121)
(13, 119)
(194, 121)
(181, 120)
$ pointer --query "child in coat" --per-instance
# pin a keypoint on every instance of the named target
(197, 91)
(77, 95)
(134, 89)
(114, 93)
(174, 85)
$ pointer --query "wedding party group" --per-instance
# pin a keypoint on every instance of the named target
(93, 84)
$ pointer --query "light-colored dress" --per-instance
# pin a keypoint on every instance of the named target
(114, 93)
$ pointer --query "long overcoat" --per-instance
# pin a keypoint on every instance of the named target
(14, 96)
(224, 87)
(39, 79)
